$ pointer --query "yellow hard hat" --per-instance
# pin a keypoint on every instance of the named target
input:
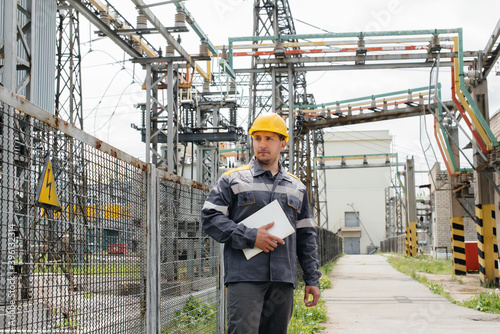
(269, 122)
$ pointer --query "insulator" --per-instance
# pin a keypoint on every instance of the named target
(104, 18)
(170, 49)
(323, 112)
(337, 109)
(279, 49)
(142, 21)
(361, 50)
(204, 48)
(473, 74)
(467, 81)
(435, 42)
(180, 18)
(206, 86)
(137, 47)
(224, 54)
(410, 97)
(374, 104)
(232, 86)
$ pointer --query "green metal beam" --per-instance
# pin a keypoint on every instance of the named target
(369, 97)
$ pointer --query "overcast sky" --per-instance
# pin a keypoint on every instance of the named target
(110, 91)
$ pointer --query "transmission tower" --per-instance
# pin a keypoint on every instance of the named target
(278, 90)
(68, 103)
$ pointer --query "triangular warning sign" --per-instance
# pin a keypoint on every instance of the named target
(47, 194)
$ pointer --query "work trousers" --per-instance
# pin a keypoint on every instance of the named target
(259, 307)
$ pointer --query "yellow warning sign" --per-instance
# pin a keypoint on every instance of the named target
(47, 194)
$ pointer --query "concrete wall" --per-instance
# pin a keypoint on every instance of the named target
(363, 187)
(441, 203)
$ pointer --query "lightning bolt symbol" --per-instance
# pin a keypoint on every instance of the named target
(48, 184)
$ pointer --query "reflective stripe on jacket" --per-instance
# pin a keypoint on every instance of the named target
(241, 192)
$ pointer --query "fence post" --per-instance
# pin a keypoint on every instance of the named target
(221, 321)
(153, 283)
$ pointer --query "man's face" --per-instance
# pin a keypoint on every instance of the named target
(267, 147)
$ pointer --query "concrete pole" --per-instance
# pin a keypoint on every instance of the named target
(153, 277)
(485, 207)
(412, 207)
(456, 212)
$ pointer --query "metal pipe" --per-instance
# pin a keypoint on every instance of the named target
(329, 43)
(347, 67)
(459, 107)
(474, 117)
(492, 142)
(353, 58)
(337, 50)
(231, 40)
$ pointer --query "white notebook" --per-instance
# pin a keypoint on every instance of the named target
(271, 212)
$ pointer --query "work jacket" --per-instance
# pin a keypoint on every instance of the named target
(243, 191)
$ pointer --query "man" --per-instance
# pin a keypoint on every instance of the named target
(260, 290)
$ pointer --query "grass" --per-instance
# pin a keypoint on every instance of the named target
(484, 302)
(196, 317)
(130, 270)
(309, 319)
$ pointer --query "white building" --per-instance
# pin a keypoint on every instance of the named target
(363, 187)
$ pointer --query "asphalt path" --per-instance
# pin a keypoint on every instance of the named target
(370, 296)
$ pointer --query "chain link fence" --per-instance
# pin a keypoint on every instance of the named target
(330, 246)
(78, 247)
(93, 240)
(396, 244)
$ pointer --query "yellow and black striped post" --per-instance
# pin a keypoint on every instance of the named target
(407, 241)
(458, 245)
(487, 244)
(412, 208)
(413, 239)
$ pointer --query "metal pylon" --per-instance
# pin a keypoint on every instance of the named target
(68, 103)
(278, 91)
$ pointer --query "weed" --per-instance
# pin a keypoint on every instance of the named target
(306, 319)
(485, 302)
(195, 315)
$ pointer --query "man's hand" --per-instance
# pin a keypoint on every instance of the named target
(265, 240)
(314, 291)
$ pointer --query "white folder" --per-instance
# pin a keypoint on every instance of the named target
(271, 212)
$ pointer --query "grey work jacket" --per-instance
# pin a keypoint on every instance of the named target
(241, 192)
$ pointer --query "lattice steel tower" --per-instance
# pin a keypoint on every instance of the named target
(278, 90)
